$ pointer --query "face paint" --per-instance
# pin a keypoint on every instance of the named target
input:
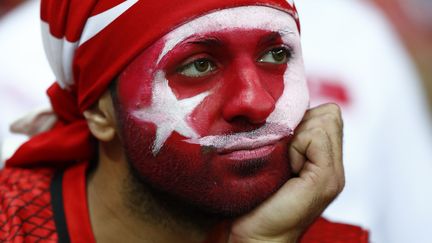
(206, 112)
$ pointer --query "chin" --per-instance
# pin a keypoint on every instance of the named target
(247, 183)
(239, 200)
(230, 186)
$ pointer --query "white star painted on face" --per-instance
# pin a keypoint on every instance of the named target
(168, 113)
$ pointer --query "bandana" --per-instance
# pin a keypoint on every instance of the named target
(88, 43)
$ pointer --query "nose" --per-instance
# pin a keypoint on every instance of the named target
(249, 99)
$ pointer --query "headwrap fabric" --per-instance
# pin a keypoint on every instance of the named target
(88, 43)
(68, 141)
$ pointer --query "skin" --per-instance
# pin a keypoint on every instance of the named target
(239, 95)
(242, 93)
(315, 154)
(252, 77)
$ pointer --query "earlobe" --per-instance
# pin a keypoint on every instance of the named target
(100, 119)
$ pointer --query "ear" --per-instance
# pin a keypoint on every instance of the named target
(101, 119)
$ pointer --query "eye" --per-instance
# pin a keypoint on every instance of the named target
(279, 55)
(197, 68)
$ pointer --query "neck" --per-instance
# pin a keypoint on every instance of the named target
(124, 210)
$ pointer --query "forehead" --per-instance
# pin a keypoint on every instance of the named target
(247, 17)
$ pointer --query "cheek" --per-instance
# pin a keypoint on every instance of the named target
(272, 77)
(206, 114)
(184, 87)
(137, 136)
(179, 168)
(294, 101)
(297, 90)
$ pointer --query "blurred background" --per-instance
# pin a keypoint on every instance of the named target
(7, 5)
(372, 57)
(24, 72)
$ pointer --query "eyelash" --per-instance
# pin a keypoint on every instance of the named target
(287, 49)
(212, 66)
(193, 63)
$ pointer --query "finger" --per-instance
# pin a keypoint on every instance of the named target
(321, 151)
(312, 145)
(324, 166)
(297, 158)
(328, 118)
(321, 169)
(329, 123)
(329, 108)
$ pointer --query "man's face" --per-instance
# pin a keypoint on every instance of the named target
(207, 111)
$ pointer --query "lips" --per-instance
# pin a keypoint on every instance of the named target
(250, 149)
(250, 144)
(250, 154)
(265, 135)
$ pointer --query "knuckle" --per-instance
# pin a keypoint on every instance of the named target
(298, 139)
(333, 187)
(318, 132)
(330, 118)
(334, 108)
(303, 137)
(339, 185)
(333, 190)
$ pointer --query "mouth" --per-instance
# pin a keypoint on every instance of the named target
(250, 144)
(250, 153)
(247, 141)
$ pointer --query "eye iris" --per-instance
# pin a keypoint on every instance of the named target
(279, 55)
(201, 65)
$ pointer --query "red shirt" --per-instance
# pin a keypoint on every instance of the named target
(48, 205)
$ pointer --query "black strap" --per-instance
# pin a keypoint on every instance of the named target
(56, 190)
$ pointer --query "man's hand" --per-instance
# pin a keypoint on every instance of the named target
(316, 156)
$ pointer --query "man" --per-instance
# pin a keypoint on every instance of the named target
(202, 134)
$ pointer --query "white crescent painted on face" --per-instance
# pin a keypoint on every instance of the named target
(290, 107)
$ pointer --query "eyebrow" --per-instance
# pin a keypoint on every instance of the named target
(274, 37)
(204, 41)
(213, 41)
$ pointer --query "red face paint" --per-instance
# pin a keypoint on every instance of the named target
(243, 90)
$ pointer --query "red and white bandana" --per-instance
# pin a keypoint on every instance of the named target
(88, 43)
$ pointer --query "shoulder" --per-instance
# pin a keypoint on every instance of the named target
(324, 231)
(25, 205)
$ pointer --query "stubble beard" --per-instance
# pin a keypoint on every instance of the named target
(150, 204)
(161, 209)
